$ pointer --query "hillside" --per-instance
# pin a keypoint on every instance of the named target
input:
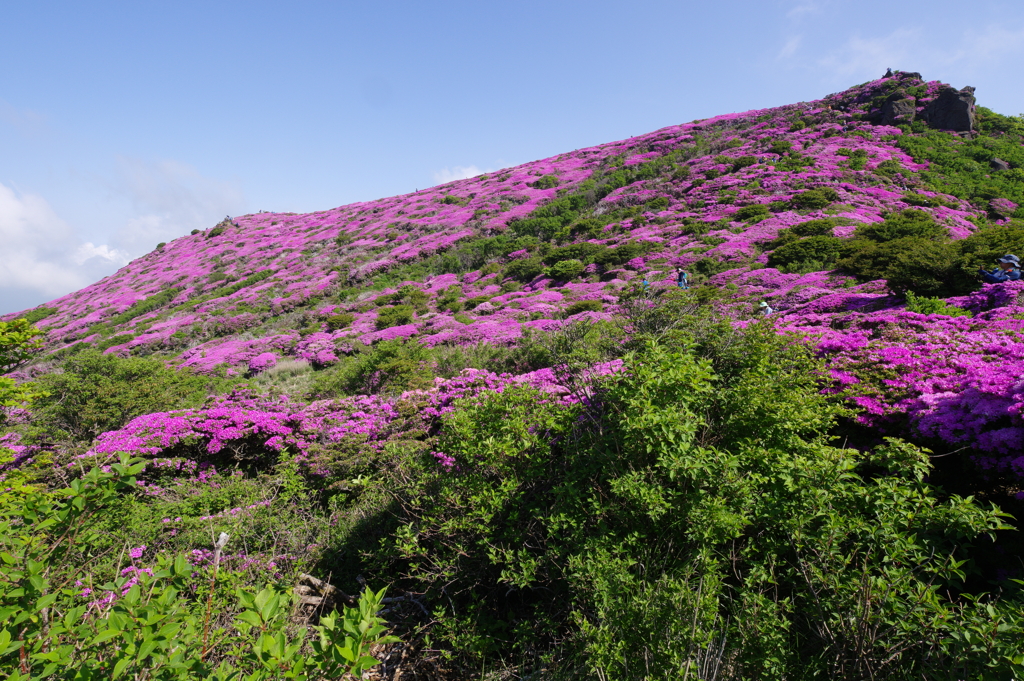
(338, 342)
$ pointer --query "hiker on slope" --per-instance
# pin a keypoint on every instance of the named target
(1008, 269)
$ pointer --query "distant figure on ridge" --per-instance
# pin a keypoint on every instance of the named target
(1008, 269)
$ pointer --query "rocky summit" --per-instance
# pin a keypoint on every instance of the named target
(466, 393)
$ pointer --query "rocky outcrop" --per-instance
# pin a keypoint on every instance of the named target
(951, 110)
(899, 109)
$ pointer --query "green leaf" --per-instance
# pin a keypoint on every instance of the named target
(121, 665)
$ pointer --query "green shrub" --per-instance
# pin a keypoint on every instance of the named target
(38, 314)
(524, 270)
(564, 270)
(908, 223)
(95, 393)
(582, 306)
(780, 146)
(216, 231)
(753, 213)
(819, 227)
(394, 316)
(453, 200)
(814, 199)
(545, 182)
(818, 250)
(915, 264)
(700, 503)
(743, 162)
(390, 367)
(336, 322)
(924, 305)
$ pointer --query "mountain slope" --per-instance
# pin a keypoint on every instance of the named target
(479, 259)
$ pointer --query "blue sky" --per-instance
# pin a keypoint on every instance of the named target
(124, 124)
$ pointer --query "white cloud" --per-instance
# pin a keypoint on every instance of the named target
(867, 55)
(446, 175)
(170, 199)
(42, 258)
(790, 48)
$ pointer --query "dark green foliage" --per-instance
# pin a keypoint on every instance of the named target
(814, 199)
(708, 267)
(38, 314)
(564, 270)
(908, 223)
(476, 300)
(453, 200)
(336, 322)
(390, 367)
(812, 251)
(743, 162)
(752, 213)
(794, 162)
(701, 504)
(525, 269)
(144, 306)
(216, 231)
(394, 316)
(623, 253)
(923, 266)
(780, 146)
(582, 306)
(583, 251)
(819, 227)
(657, 204)
(450, 299)
(97, 392)
(545, 182)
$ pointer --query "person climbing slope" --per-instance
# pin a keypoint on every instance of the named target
(682, 279)
(1008, 269)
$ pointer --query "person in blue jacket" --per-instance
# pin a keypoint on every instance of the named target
(1008, 269)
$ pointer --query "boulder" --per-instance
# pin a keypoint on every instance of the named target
(896, 111)
(999, 164)
(951, 110)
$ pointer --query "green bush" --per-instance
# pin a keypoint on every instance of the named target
(545, 182)
(216, 231)
(814, 199)
(390, 367)
(780, 146)
(95, 393)
(396, 315)
(582, 306)
(817, 250)
(38, 314)
(524, 270)
(924, 305)
(908, 223)
(753, 213)
(923, 266)
(564, 270)
(336, 322)
(700, 513)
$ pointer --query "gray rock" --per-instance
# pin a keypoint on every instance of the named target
(999, 164)
(896, 111)
(951, 110)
